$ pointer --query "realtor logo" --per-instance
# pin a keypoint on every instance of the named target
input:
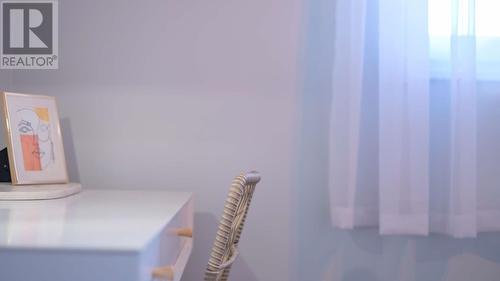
(29, 35)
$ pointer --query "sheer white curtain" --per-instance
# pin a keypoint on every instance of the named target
(390, 166)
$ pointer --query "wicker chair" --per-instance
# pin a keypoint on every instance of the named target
(224, 251)
(225, 248)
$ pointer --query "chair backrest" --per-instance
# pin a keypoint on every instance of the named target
(224, 250)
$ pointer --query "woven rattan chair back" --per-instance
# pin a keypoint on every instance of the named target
(225, 248)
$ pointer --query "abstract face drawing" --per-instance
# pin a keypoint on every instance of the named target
(36, 138)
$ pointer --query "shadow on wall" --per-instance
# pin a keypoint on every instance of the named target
(205, 228)
(69, 150)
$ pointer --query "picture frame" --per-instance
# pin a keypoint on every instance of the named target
(34, 140)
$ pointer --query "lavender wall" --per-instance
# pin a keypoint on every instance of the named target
(184, 95)
(5, 79)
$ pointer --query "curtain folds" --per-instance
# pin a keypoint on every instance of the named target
(393, 163)
(346, 111)
(404, 117)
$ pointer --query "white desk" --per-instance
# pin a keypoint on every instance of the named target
(95, 235)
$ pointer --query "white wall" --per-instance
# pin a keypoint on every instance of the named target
(184, 95)
(335, 255)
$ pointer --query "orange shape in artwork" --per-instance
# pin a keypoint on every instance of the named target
(31, 153)
(43, 113)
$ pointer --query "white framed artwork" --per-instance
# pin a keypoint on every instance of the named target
(34, 140)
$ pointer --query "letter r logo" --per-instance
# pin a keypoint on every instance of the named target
(27, 27)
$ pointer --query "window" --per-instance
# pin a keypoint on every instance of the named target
(481, 20)
(487, 17)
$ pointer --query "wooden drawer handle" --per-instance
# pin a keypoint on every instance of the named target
(184, 232)
(164, 273)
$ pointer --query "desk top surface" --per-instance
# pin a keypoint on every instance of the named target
(113, 220)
